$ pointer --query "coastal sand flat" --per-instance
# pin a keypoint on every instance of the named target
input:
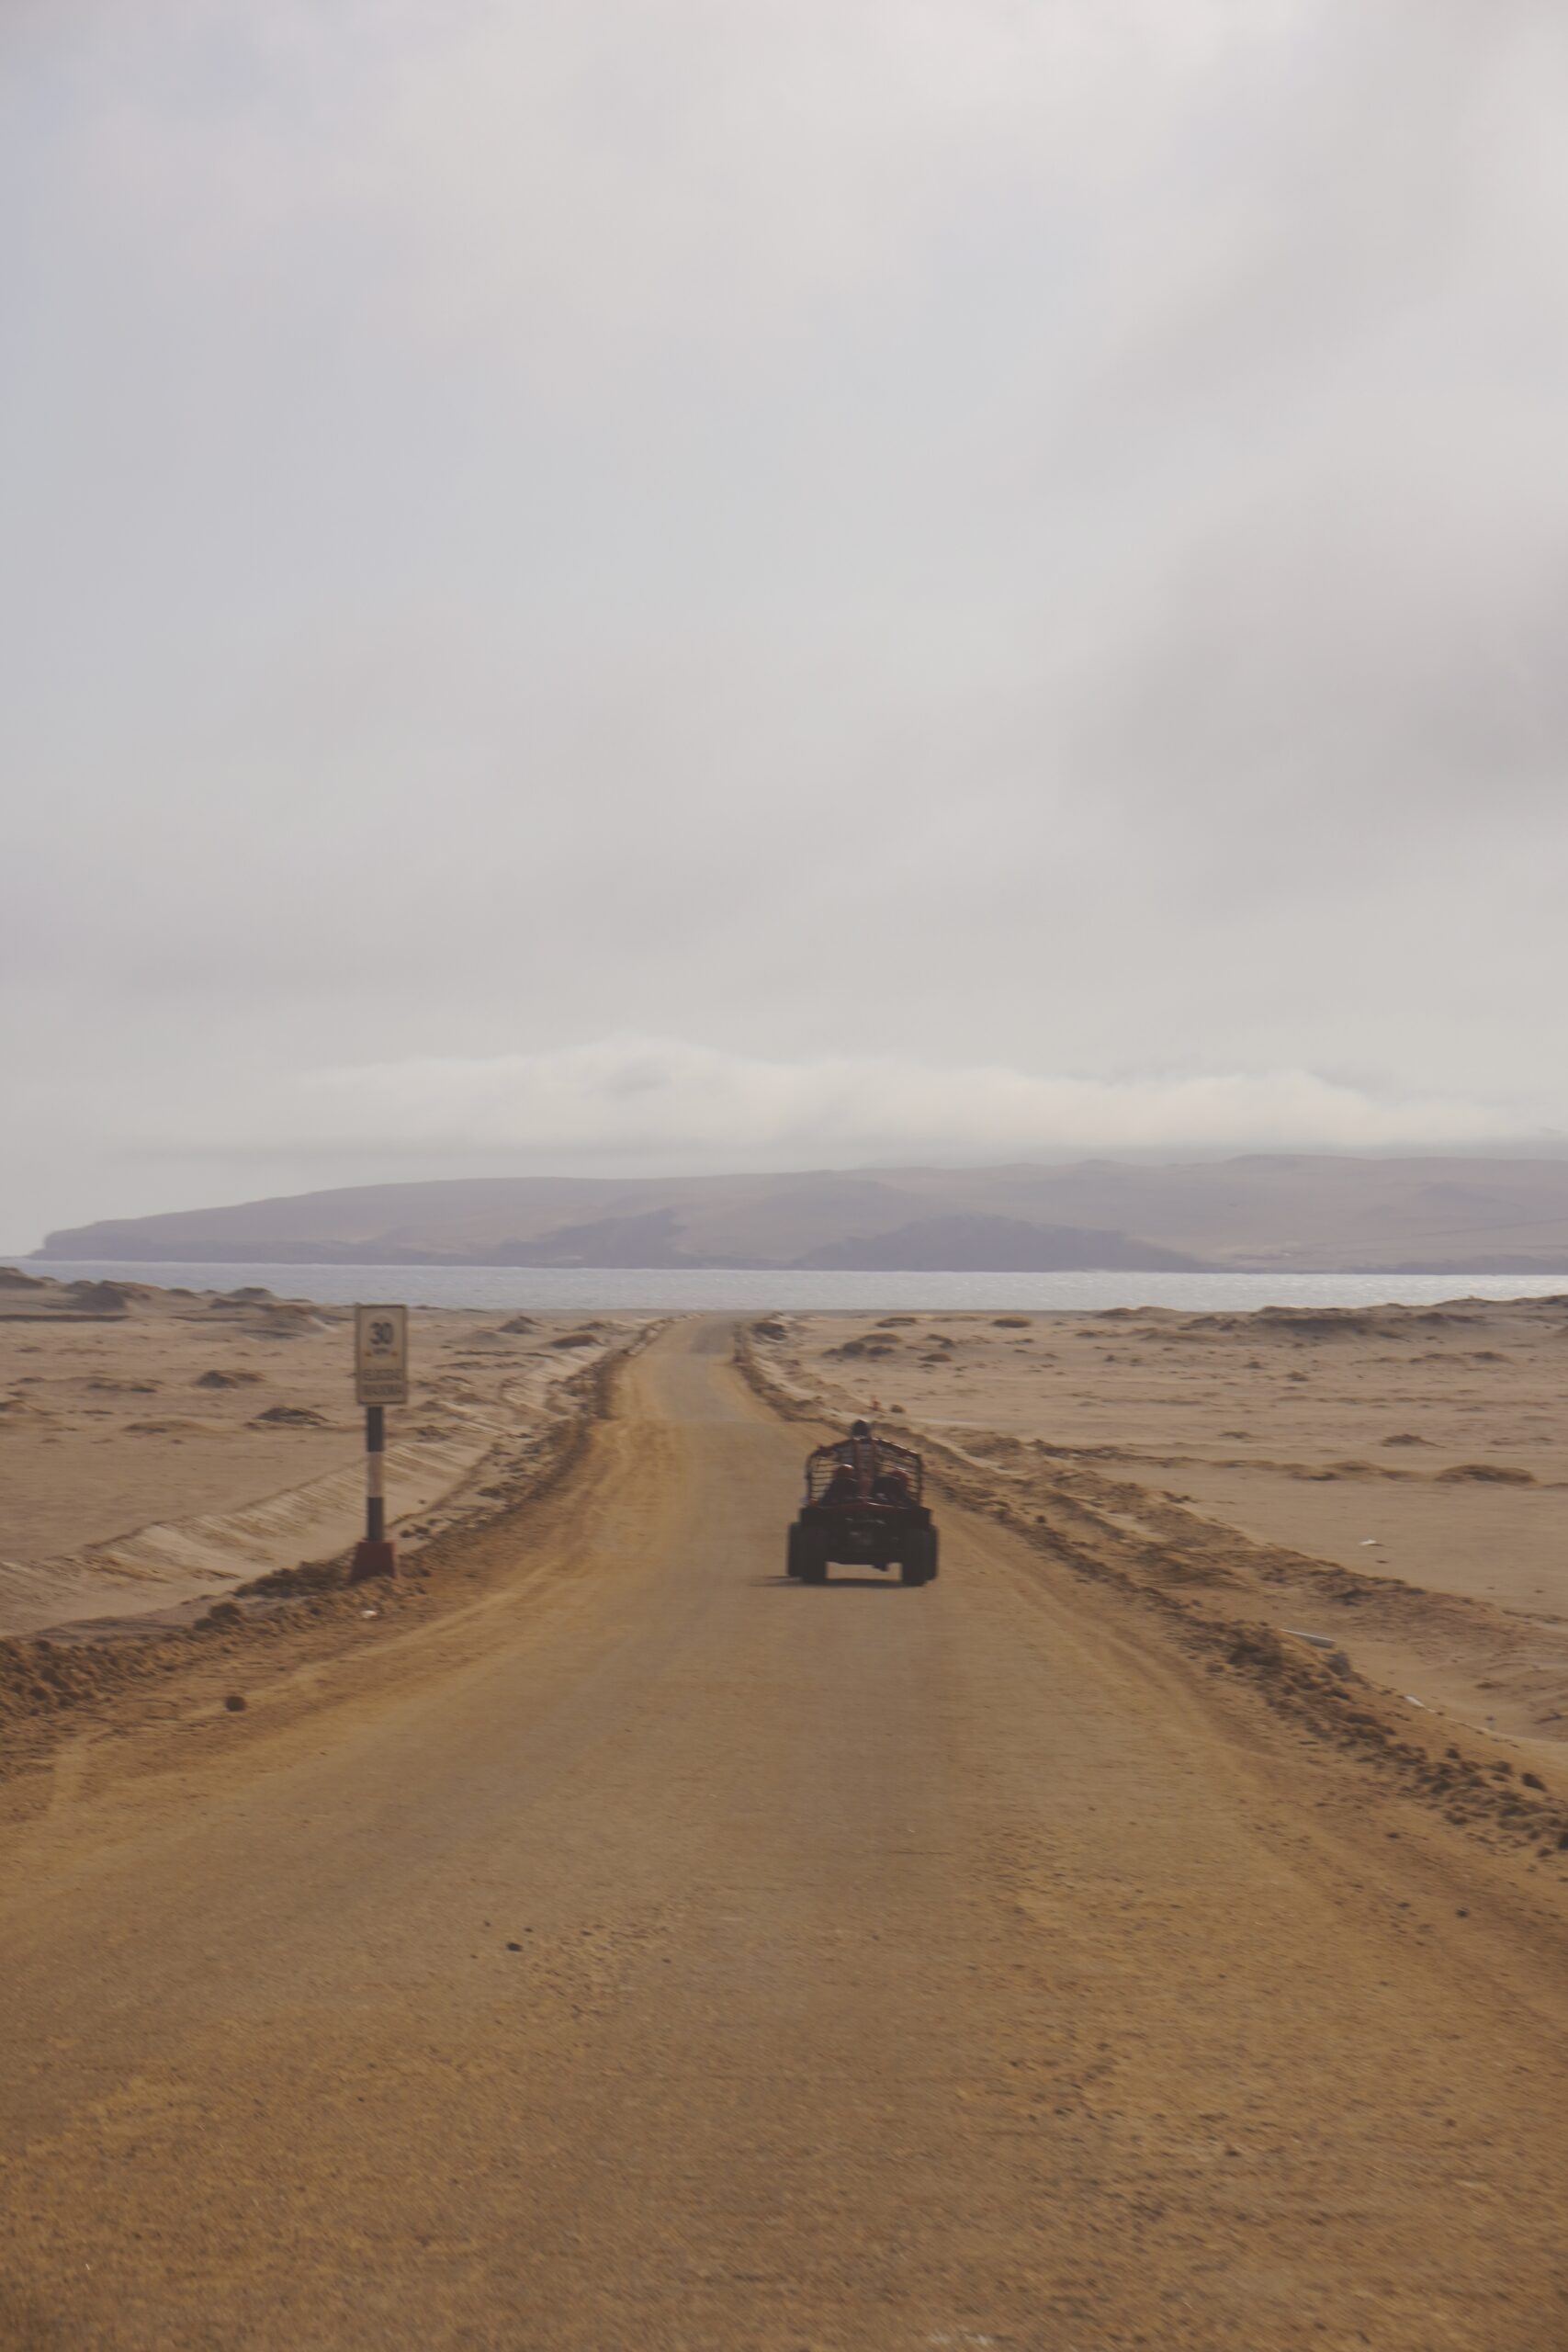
(1424, 1448)
(155, 1446)
(656, 1953)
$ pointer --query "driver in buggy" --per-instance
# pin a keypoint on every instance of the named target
(855, 1477)
(863, 1476)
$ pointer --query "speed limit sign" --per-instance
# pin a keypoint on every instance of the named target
(382, 1355)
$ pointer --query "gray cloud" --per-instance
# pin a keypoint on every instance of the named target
(1020, 546)
(632, 1093)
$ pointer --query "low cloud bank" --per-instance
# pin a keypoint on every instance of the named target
(629, 1097)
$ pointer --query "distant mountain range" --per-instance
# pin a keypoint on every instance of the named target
(1287, 1213)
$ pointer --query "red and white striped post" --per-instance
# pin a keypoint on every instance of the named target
(381, 1378)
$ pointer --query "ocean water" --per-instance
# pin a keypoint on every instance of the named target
(718, 1290)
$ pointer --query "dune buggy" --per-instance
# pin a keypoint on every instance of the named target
(864, 1508)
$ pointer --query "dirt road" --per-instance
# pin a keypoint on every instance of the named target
(659, 1954)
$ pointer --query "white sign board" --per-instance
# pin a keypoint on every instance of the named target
(382, 1355)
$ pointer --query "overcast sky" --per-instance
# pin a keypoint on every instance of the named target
(612, 584)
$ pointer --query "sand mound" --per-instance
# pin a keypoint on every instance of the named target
(1486, 1473)
(104, 1298)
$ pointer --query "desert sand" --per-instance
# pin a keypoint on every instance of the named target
(593, 1937)
(157, 1447)
(1389, 1480)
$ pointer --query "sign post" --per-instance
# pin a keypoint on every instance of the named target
(381, 1378)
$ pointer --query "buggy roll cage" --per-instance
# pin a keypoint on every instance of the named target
(869, 1459)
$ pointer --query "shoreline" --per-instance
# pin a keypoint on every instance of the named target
(718, 1290)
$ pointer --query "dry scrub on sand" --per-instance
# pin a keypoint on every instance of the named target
(164, 1451)
(1360, 1507)
(299, 1636)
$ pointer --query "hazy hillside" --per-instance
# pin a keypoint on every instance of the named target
(1310, 1213)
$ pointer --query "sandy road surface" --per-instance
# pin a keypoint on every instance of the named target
(896, 1969)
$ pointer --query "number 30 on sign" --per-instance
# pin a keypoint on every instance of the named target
(382, 1355)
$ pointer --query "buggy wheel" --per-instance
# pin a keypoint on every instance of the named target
(920, 1566)
(795, 1549)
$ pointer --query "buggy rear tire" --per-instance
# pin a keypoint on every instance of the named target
(795, 1550)
(809, 1555)
(920, 1566)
